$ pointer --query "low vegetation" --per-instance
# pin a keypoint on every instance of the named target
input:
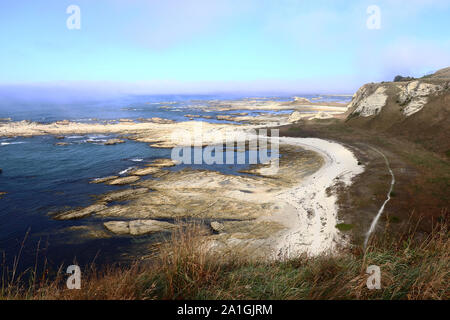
(344, 227)
(412, 267)
(401, 78)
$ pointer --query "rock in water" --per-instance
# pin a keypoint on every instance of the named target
(112, 142)
(122, 181)
(138, 227)
(81, 213)
(118, 227)
(161, 121)
(145, 172)
(63, 122)
(301, 100)
(123, 194)
(225, 117)
(105, 179)
(162, 163)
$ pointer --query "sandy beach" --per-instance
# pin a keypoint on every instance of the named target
(310, 207)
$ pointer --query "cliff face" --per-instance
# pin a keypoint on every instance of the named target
(418, 110)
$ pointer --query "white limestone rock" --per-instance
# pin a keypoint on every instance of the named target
(415, 95)
(369, 104)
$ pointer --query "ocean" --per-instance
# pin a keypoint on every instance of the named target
(40, 177)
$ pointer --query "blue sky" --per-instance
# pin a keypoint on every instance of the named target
(201, 46)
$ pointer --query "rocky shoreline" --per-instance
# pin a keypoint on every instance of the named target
(253, 211)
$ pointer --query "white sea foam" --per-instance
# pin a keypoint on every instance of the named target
(99, 136)
(8, 143)
(126, 170)
(95, 141)
(137, 160)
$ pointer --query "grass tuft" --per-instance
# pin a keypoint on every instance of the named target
(412, 267)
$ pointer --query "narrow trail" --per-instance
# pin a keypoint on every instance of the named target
(380, 212)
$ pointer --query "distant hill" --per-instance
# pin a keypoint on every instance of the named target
(441, 74)
(418, 110)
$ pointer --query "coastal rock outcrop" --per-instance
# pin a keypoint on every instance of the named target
(80, 213)
(415, 95)
(138, 227)
(123, 194)
(161, 120)
(103, 180)
(145, 171)
(63, 122)
(224, 117)
(162, 163)
(112, 142)
(301, 99)
(367, 102)
(411, 95)
(417, 110)
(122, 181)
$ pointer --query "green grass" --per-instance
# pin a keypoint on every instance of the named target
(344, 227)
(392, 219)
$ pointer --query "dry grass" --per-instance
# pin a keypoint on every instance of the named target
(411, 268)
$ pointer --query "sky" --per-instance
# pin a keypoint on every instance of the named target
(206, 46)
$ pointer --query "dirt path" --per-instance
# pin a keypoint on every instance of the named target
(388, 198)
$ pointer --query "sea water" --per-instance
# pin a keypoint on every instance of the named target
(41, 177)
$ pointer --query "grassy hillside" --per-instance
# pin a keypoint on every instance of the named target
(441, 74)
(429, 127)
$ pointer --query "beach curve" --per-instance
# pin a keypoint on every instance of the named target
(310, 212)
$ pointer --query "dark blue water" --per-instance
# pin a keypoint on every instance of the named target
(40, 177)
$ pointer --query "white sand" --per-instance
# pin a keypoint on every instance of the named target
(309, 214)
